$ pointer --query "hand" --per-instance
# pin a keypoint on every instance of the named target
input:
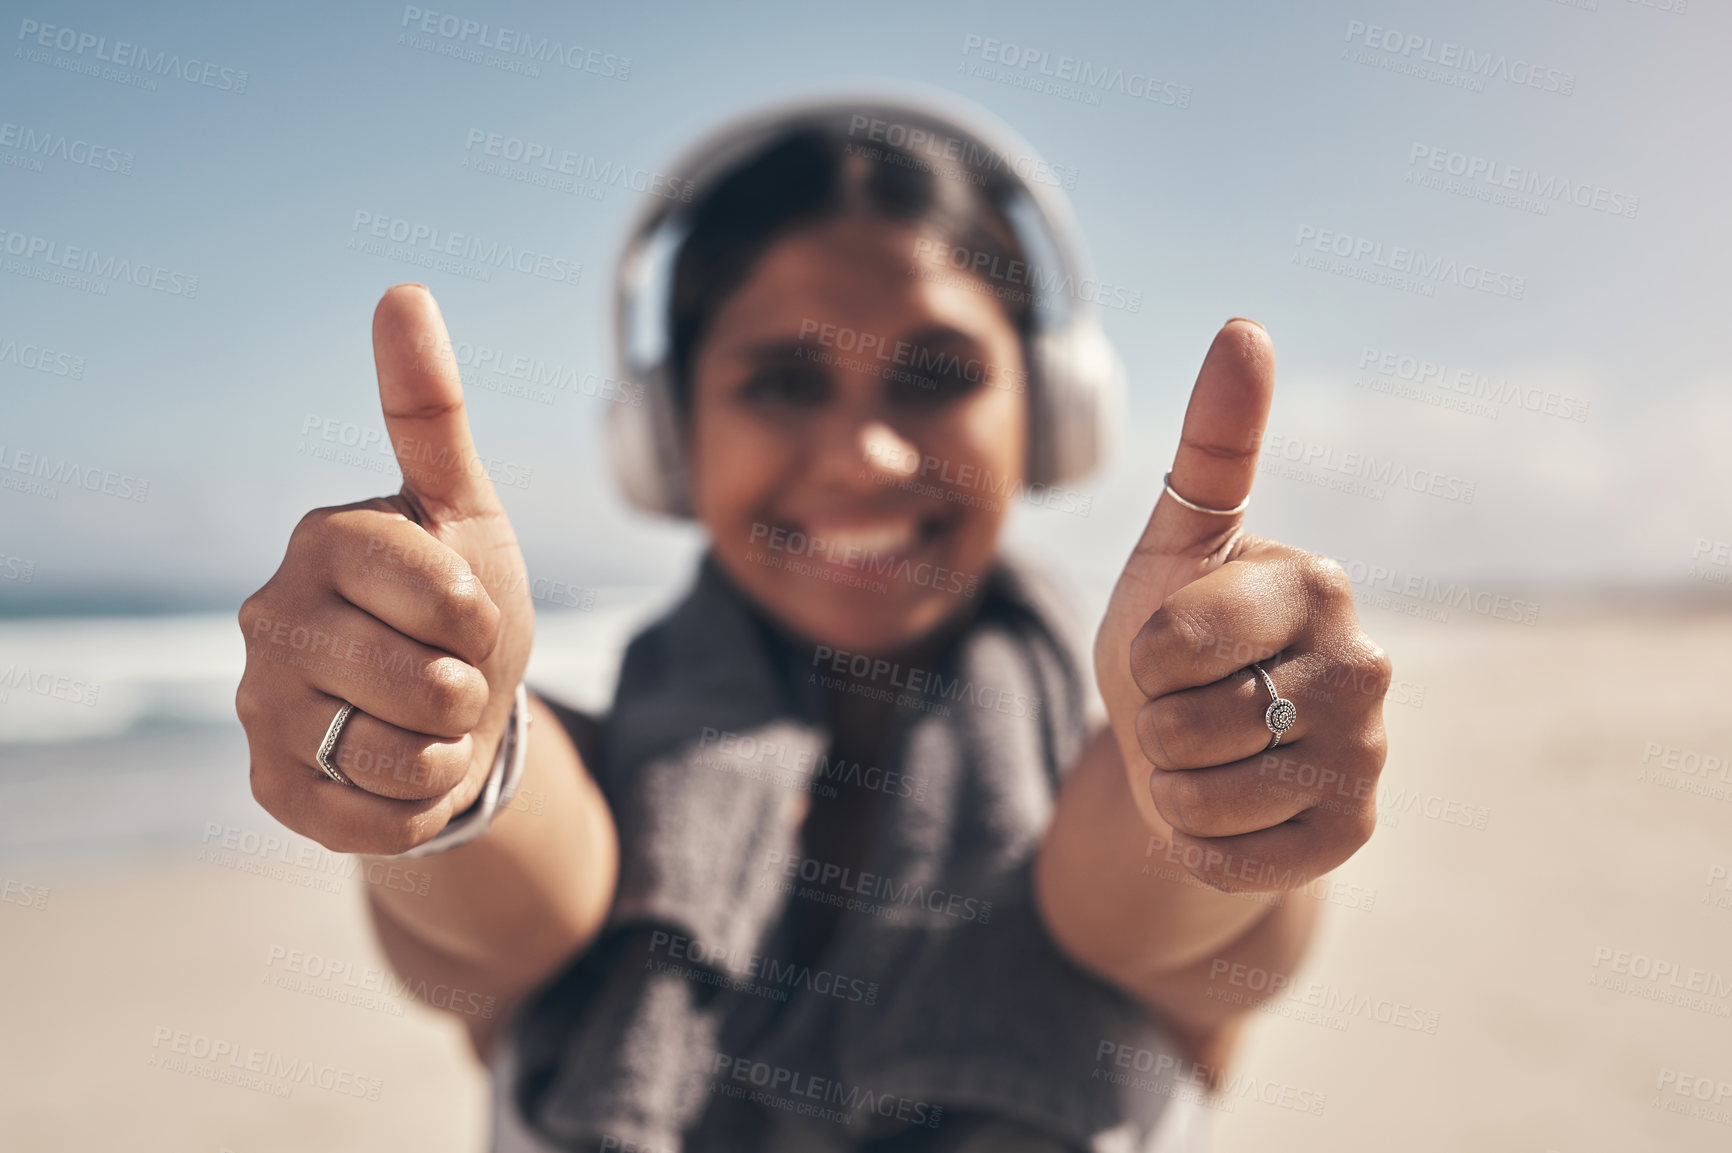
(1198, 602)
(414, 608)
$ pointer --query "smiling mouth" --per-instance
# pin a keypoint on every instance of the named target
(852, 541)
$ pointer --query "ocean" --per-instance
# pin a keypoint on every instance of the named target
(118, 736)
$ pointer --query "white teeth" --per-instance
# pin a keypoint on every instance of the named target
(887, 537)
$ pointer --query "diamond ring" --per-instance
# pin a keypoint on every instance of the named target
(1281, 713)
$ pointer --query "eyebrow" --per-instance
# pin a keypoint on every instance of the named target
(792, 348)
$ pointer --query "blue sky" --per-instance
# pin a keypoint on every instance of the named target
(1305, 127)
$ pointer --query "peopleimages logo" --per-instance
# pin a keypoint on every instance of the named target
(49, 474)
(220, 1059)
(1086, 75)
(541, 380)
(58, 686)
(417, 239)
(581, 166)
(91, 266)
(1703, 1097)
(1468, 383)
(1363, 258)
(925, 366)
(1372, 475)
(952, 156)
(41, 359)
(346, 442)
(1372, 581)
(462, 32)
(840, 669)
(795, 1091)
(891, 893)
(989, 267)
(34, 146)
(823, 768)
(124, 54)
(1447, 61)
(780, 975)
(893, 566)
(1483, 178)
(1686, 985)
(1234, 1087)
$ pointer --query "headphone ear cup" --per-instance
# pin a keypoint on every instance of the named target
(1075, 403)
(643, 439)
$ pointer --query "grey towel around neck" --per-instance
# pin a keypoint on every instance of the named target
(693, 1016)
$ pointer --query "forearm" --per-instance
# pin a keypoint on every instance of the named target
(506, 909)
(1119, 906)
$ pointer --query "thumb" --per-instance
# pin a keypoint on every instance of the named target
(1217, 458)
(422, 397)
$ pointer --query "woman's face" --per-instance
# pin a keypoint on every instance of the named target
(859, 427)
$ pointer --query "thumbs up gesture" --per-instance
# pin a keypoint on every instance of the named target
(413, 608)
(1198, 604)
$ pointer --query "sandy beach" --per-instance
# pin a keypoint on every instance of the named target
(1534, 953)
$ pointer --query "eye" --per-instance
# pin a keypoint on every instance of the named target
(786, 386)
(937, 377)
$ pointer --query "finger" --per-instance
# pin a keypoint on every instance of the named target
(1246, 610)
(351, 820)
(1225, 801)
(1338, 777)
(422, 397)
(1216, 461)
(350, 655)
(379, 757)
(1224, 722)
(388, 566)
(1287, 856)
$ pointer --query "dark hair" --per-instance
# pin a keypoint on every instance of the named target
(814, 174)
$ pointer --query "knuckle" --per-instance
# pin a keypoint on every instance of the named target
(465, 610)
(310, 532)
(1378, 665)
(1183, 630)
(1362, 822)
(1372, 753)
(268, 788)
(456, 691)
(420, 769)
(1145, 661)
(1363, 667)
(1327, 580)
(257, 615)
(248, 703)
(1181, 801)
(443, 686)
(251, 610)
(1162, 643)
(438, 767)
(1155, 732)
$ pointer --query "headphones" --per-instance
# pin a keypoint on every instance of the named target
(1076, 380)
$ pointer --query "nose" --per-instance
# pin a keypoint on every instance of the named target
(857, 449)
(887, 452)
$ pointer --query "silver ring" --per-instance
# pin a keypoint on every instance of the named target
(329, 746)
(1167, 483)
(1281, 713)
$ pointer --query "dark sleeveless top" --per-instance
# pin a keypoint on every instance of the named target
(745, 979)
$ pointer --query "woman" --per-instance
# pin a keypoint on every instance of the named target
(863, 857)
